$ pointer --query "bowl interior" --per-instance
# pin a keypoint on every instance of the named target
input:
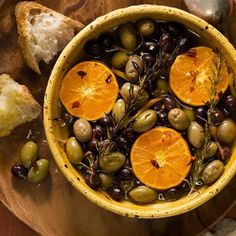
(73, 53)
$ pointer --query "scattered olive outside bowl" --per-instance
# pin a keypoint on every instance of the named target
(56, 134)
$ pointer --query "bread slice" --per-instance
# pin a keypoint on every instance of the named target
(43, 32)
(17, 105)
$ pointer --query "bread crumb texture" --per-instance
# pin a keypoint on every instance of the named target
(17, 105)
(43, 32)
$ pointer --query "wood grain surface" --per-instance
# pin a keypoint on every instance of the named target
(54, 207)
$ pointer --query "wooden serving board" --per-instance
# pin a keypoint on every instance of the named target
(54, 207)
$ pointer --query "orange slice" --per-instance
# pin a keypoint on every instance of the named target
(161, 158)
(190, 76)
(89, 90)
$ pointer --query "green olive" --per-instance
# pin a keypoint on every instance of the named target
(190, 113)
(82, 130)
(134, 68)
(112, 162)
(128, 36)
(74, 151)
(146, 27)
(119, 59)
(178, 119)
(143, 194)
(196, 135)
(118, 110)
(128, 91)
(145, 121)
(226, 131)
(211, 149)
(38, 172)
(212, 171)
(106, 180)
(162, 84)
(29, 154)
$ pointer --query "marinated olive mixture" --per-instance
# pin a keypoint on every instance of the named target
(141, 54)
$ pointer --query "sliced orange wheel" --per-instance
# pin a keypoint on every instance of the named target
(161, 158)
(89, 90)
(191, 73)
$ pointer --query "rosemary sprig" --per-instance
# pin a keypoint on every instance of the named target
(198, 164)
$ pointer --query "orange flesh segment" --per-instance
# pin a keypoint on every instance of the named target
(190, 73)
(89, 90)
(161, 158)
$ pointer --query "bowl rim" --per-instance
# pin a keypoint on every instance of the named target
(48, 119)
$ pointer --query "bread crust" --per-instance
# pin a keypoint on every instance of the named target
(22, 11)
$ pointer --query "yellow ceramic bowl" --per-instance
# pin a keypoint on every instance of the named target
(55, 134)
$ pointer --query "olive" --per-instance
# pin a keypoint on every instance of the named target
(99, 132)
(150, 85)
(92, 145)
(106, 41)
(162, 84)
(119, 59)
(134, 68)
(112, 162)
(123, 144)
(29, 154)
(105, 121)
(128, 36)
(226, 131)
(67, 119)
(148, 59)
(143, 194)
(196, 135)
(129, 133)
(150, 47)
(230, 105)
(176, 29)
(38, 172)
(211, 149)
(19, 171)
(92, 179)
(217, 116)
(224, 153)
(212, 171)
(178, 119)
(125, 173)
(165, 39)
(82, 130)
(74, 151)
(201, 115)
(168, 102)
(118, 110)
(190, 113)
(115, 192)
(106, 180)
(128, 91)
(145, 121)
(146, 27)
(94, 48)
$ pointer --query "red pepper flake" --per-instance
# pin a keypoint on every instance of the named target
(108, 79)
(192, 53)
(191, 89)
(193, 73)
(75, 104)
(81, 73)
(155, 164)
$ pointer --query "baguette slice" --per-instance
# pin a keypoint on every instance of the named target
(17, 105)
(43, 32)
